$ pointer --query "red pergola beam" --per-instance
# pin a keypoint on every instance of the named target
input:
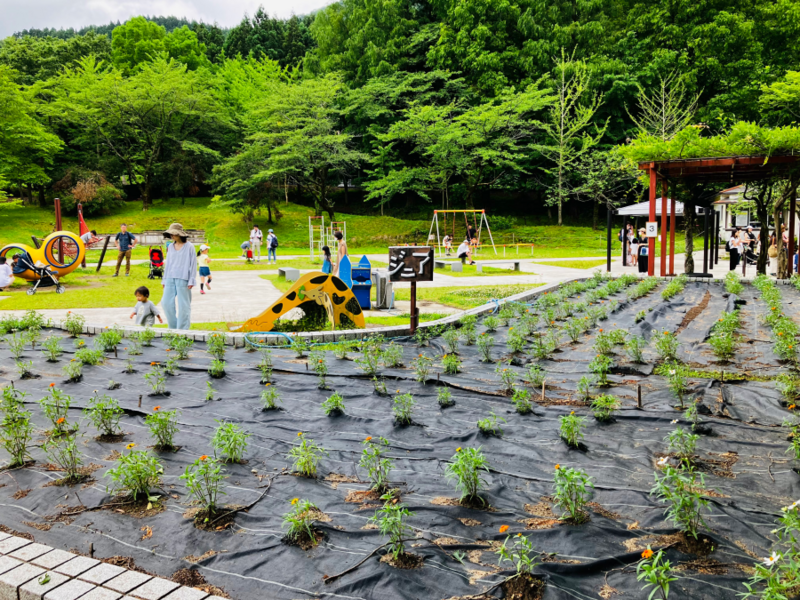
(651, 242)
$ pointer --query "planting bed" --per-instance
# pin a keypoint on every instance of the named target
(451, 553)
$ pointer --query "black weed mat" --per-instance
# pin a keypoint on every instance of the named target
(748, 475)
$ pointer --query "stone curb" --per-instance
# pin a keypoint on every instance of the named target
(237, 339)
(24, 575)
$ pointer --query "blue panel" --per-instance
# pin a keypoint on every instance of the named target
(346, 271)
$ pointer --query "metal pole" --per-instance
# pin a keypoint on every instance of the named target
(651, 242)
(103, 254)
(608, 238)
(705, 240)
(716, 237)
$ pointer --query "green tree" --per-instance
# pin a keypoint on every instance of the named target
(26, 146)
(136, 42)
(183, 46)
(136, 118)
(213, 38)
(293, 133)
(567, 135)
(40, 58)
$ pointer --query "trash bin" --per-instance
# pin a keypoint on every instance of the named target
(362, 282)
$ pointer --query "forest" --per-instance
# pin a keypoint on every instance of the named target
(520, 106)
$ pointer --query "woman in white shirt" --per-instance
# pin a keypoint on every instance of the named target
(6, 274)
(734, 248)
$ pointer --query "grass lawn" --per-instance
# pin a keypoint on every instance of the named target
(86, 289)
(298, 263)
(573, 264)
(463, 297)
(471, 271)
(366, 234)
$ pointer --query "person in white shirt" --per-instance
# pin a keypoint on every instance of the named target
(255, 241)
(464, 252)
(89, 237)
(6, 275)
(272, 247)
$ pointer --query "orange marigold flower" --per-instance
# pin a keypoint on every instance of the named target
(558, 467)
(600, 330)
(420, 355)
(155, 408)
(205, 456)
(647, 553)
(503, 528)
(666, 333)
(791, 407)
(152, 364)
(61, 420)
(52, 385)
(369, 437)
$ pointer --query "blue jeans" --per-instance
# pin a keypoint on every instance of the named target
(176, 289)
(271, 255)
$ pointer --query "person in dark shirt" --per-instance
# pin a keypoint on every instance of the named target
(125, 242)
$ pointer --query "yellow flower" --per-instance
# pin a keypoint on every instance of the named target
(131, 445)
(558, 467)
(458, 449)
(299, 434)
(295, 500)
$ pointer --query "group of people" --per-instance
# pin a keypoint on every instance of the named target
(466, 248)
(634, 244)
(743, 243)
(252, 247)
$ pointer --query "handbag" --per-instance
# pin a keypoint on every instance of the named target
(773, 251)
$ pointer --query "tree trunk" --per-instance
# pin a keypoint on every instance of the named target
(595, 211)
(763, 235)
(42, 199)
(689, 220)
(145, 191)
(782, 267)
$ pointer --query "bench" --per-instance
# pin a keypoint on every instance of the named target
(289, 273)
(479, 266)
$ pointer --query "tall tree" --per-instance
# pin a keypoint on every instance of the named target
(567, 127)
(134, 118)
(40, 58)
(26, 146)
(294, 134)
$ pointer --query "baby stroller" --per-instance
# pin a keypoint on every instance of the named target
(46, 277)
(156, 263)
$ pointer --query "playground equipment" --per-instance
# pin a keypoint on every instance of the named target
(314, 293)
(362, 282)
(452, 226)
(61, 253)
(320, 235)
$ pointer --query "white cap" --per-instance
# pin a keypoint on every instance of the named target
(203, 247)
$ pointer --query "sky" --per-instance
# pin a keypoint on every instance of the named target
(16, 15)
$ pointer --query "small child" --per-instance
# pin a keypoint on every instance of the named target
(205, 271)
(145, 311)
(327, 265)
(448, 244)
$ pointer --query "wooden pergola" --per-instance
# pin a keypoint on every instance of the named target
(724, 170)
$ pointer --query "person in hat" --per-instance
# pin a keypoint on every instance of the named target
(255, 241)
(180, 276)
(205, 271)
(642, 251)
(272, 246)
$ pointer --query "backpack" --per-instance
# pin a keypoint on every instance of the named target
(619, 236)
(274, 242)
(728, 246)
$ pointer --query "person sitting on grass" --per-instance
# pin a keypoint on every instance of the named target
(464, 252)
(145, 311)
(6, 274)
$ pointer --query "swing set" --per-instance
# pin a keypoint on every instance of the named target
(449, 227)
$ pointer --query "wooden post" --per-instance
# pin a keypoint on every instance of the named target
(672, 225)
(103, 253)
(140, 401)
(85, 254)
(58, 228)
(792, 212)
(651, 242)
(543, 391)
(608, 241)
(639, 397)
(664, 229)
(413, 312)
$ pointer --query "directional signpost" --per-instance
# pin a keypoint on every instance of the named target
(412, 264)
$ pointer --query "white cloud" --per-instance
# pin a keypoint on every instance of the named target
(16, 15)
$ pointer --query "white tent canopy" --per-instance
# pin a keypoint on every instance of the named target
(642, 209)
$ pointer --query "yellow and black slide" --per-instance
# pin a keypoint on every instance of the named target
(314, 293)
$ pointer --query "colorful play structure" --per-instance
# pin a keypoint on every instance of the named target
(453, 227)
(59, 254)
(314, 294)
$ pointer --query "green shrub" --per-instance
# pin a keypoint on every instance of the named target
(215, 346)
(334, 405)
(306, 456)
(489, 426)
(62, 450)
(135, 473)
(682, 492)
(391, 521)
(444, 397)
(230, 440)
(56, 408)
(300, 519)
(376, 464)
(74, 323)
(108, 339)
(163, 425)
(204, 480)
(16, 433)
(521, 399)
(466, 468)
(402, 408)
(570, 492)
(104, 412)
(269, 397)
(604, 407)
(451, 364)
(216, 368)
(52, 349)
(571, 429)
